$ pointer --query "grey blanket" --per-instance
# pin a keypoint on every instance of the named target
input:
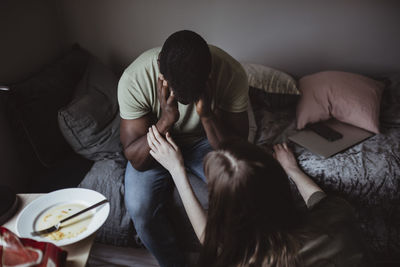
(367, 175)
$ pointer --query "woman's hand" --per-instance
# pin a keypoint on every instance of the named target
(165, 151)
(286, 158)
(304, 184)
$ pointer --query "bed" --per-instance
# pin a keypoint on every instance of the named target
(367, 174)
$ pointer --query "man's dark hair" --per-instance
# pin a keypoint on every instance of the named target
(185, 62)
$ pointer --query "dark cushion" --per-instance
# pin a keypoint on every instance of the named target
(34, 103)
(90, 123)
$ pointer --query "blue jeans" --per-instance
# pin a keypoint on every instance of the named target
(146, 195)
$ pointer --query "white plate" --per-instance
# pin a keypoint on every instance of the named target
(27, 219)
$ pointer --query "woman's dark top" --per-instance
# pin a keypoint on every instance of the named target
(335, 239)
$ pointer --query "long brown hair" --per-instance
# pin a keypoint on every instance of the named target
(251, 212)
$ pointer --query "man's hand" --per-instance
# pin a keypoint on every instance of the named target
(203, 105)
(169, 106)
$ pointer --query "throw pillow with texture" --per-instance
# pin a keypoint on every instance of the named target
(90, 123)
(348, 97)
(270, 87)
(270, 80)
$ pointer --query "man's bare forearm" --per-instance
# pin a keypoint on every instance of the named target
(217, 131)
(216, 134)
(137, 152)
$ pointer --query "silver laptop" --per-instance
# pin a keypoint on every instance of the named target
(352, 135)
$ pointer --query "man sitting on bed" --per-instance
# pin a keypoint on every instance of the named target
(196, 92)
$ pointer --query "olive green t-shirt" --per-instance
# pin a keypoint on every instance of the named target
(137, 92)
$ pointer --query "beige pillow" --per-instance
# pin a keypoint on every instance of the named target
(270, 80)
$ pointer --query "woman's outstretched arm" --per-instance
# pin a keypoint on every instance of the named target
(304, 184)
(167, 153)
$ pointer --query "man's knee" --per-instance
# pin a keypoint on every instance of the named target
(143, 212)
(138, 199)
(145, 193)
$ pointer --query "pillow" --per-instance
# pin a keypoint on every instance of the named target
(269, 79)
(90, 123)
(274, 88)
(348, 97)
(33, 105)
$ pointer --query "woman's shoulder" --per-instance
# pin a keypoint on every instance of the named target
(329, 209)
(333, 236)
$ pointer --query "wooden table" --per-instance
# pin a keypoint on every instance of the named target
(78, 253)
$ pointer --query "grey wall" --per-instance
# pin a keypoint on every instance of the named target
(299, 37)
(31, 35)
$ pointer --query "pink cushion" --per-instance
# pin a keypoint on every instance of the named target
(348, 97)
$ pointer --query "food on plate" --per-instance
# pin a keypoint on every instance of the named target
(70, 228)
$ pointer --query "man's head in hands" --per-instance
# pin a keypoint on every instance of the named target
(185, 63)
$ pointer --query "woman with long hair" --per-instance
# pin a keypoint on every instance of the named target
(252, 219)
